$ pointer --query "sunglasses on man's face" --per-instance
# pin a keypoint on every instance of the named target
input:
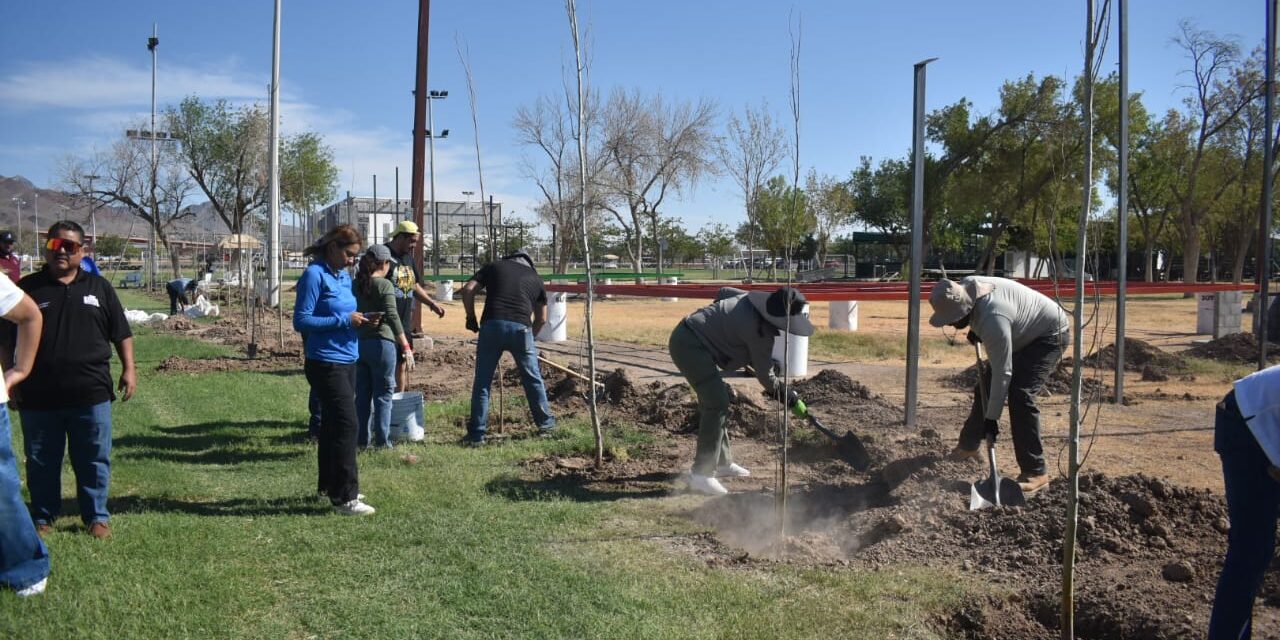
(60, 244)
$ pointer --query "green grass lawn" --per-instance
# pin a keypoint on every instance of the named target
(218, 533)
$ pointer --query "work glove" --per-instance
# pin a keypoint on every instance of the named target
(472, 325)
(409, 361)
(991, 427)
(973, 337)
(797, 406)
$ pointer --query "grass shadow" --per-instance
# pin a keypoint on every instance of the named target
(583, 488)
(238, 507)
(210, 443)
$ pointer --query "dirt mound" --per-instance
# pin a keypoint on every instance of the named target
(178, 323)
(1059, 382)
(1236, 347)
(1138, 356)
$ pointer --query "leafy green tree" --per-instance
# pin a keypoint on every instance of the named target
(109, 245)
(832, 204)
(717, 243)
(224, 149)
(784, 217)
(308, 176)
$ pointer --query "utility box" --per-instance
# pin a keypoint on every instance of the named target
(1204, 312)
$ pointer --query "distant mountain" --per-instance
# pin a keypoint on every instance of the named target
(54, 204)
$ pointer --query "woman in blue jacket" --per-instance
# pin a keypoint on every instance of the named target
(325, 313)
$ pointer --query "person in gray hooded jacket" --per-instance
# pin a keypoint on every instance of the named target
(736, 330)
(1024, 332)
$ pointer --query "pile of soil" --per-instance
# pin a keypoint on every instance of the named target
(1141, 356)
(1237, 347)
(1059, 382)
(177, 323)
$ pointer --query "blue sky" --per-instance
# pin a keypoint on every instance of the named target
(73, 74)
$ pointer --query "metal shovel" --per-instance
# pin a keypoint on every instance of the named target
(848, 446)
(993, 491)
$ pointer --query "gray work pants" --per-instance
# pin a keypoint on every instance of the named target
(693, 359)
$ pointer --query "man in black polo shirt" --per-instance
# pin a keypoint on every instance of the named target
(406, 275)
(66, 401)
(513, 293)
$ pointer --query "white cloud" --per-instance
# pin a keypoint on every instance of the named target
(99, 82)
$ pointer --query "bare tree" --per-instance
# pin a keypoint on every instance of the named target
(750, 151)
(549, 127)
(653, 148)
(1212, 107)
(122, 177)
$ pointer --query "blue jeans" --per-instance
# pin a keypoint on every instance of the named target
(86, 431)
(24, 560)
(1253, 503)
(375, 382)
(497, 336)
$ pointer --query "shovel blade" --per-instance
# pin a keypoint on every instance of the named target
(853, 451)
(984, 494)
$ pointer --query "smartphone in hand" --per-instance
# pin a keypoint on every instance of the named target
(374, 317)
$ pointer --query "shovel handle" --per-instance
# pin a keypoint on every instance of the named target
(821, 427)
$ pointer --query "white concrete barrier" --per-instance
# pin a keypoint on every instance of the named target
(843, 315)
(557, 327)
(444, 290)
(1204, 312)
(797, 355)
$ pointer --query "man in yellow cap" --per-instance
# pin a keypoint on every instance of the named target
(406, 275)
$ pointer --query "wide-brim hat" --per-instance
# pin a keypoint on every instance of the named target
(783, 309)
(950, 302)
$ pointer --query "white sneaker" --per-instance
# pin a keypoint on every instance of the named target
(354, 508)
(706, 485)
(33, 590)
(734, 470)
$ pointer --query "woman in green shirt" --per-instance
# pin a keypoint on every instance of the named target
(379, 339)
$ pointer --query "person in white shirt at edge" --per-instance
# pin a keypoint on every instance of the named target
(24, 559)
(736, 330)
(1024, 332)
(1246, 435)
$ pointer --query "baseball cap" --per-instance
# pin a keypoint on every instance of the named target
(406, 226)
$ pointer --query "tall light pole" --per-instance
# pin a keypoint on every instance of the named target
(152, 44)
(93, 210)
(431, 163)
(36, 226)
(19, 201)
(273, 234)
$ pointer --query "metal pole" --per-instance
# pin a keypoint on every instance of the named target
(1268, 185)
(435, 217)
(420, 102)
(36, 226)
(1122, 206)
(917, 244)
(93, 210)
(396, 208)
(373, 217)
(152, 44)
(273, 234)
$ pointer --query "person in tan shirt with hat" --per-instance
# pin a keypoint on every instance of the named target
(1024, 332)
(406, 276)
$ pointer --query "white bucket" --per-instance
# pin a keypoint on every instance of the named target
(444, 290)
(672, 281)
(557, 327)
(843, 315)
(797, 362)
(607, 282)
(406, 417)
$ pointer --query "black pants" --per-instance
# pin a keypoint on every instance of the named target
(1032, 366)
(176, 296)
(335, 385)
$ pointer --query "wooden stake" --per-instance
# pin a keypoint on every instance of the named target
(567, 370)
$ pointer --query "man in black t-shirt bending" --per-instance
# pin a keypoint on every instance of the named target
(513, 293)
